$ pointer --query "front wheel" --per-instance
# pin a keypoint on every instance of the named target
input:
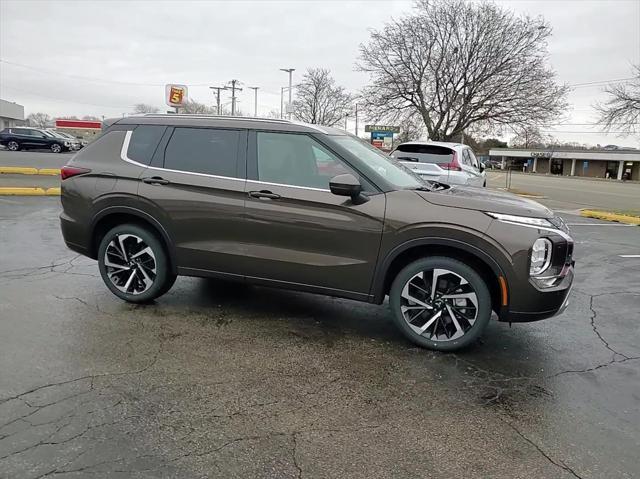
(56, 148)
(133, 264)
(440, 303)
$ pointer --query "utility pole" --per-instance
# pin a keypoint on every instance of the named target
(255, 102)
(356, 119)
(290, 71)
(233, 95)
(346, 117)
(217, 94)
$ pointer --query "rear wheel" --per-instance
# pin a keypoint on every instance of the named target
(133, 264)
(13, 145)
(440, 303)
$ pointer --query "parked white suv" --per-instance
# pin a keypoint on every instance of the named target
(450, 163)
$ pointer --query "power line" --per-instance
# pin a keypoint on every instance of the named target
(597, 83)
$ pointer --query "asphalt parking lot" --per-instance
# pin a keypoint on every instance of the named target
(224, 380)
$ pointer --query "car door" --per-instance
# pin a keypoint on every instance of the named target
(195, 188)
(24, 137)
(479, 171)
(300, 234)
(472, 172)
(40, 140)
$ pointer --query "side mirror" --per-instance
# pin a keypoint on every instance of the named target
(481, 167)
(345, 185)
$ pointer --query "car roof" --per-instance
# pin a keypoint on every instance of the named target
(251, 123)
(435, 143)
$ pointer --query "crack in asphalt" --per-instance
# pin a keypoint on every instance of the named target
(560, 464)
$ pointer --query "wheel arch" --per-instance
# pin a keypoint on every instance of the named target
(479, 260)
(116, 215)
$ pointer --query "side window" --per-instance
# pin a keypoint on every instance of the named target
(465, 157)
(203, 150)
(19, 131)
(297, 160)
(143, 143)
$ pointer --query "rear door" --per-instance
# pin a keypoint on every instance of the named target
(195, 188)
(300, 234)
(470, 167)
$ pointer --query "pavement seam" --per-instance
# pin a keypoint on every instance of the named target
(559, 464)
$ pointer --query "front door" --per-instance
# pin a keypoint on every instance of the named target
(301, 234)
(196, 188)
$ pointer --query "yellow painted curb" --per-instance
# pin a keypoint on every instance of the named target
(608, 216)
(52, 191)
(49, 171)
(23, 170)
(17, 170)
(22, 191)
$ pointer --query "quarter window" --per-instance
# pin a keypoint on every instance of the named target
(296, 160)
(144, 141)
(203, 150)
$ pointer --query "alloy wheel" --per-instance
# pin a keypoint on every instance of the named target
(13, 146)
(130, 264)
(439, 304)
(56, 148)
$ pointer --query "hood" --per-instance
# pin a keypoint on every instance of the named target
(483, 199)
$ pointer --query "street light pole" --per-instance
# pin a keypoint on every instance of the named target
(255, 105)
(290, 71)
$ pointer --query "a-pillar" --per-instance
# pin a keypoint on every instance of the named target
(620, 169)
(573, 167)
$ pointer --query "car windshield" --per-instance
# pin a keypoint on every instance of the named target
(49, 134)
(387, 167)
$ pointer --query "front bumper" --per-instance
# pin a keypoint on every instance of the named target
(542, 303)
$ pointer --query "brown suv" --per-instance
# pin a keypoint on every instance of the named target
(310, 208)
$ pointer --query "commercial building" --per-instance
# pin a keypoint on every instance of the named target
(11, 114)
(599, 163)
(85, 129)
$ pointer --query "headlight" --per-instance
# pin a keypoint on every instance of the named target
(522, 220)
(540, 256)
(66, 143)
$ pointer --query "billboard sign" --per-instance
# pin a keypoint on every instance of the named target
(382, 139)
(176, 95)
(372, 128)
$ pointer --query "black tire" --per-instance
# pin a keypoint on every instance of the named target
(13, 146)
(485, 184)
(457, 267)
(163, 280)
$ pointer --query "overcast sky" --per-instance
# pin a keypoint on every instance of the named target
(101, 57)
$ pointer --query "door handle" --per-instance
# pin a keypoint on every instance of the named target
(264, 194)
(155, 180)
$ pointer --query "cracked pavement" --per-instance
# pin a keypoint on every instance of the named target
(223, 380)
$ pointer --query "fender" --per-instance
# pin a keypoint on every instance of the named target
(377, 293)
(109, 210)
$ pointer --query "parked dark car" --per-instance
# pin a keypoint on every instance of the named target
(309, 208)
(24, 138)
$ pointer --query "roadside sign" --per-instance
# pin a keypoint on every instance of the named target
(176, 95)
(372, 128)
(382, 139)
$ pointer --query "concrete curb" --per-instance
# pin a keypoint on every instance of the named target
(22, 170)
(30, 191)
(608, 216)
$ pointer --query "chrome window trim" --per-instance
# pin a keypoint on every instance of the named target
(289, 186)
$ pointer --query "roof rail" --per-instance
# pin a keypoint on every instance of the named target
(203, 115)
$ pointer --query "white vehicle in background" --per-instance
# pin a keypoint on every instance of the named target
(449, 163)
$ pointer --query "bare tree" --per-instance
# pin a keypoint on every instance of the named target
(411, 129)
(622, 111)
(530, 136)
(461, 65)
(39, 120)
(144, 108)
(194, 107)
(319, 100)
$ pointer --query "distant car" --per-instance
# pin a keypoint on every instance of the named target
(25, 138)
(76, 144)
(448, 163)
(82, 142)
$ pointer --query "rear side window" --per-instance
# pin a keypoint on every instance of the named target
(19, 131)
(143, 143)
(203, 150)
(423, 153)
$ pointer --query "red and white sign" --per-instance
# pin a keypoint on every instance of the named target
(79, 124)
(176, 95)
